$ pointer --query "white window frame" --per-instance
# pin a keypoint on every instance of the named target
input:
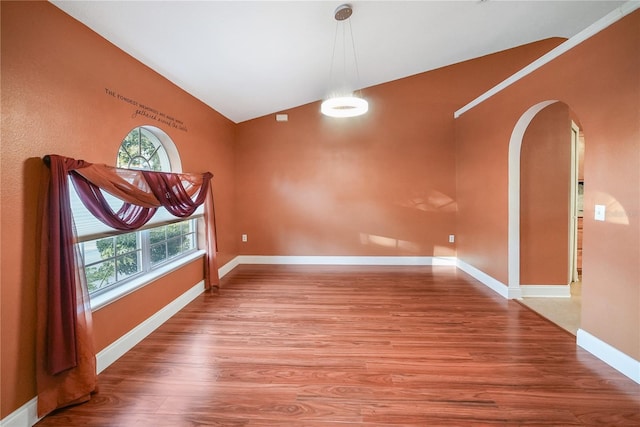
(90, 228)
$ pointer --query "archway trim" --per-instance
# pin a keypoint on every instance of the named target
(513, 245)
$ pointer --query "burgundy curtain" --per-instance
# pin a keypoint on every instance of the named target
(128, 217)
(170, 191)
(66, 359)
(65, 369)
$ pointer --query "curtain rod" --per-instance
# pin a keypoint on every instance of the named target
(47, 160)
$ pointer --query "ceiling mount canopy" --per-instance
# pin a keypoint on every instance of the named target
(343, 12)
(343, 102)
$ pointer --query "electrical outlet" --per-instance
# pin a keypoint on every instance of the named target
(599, 213)
(244, 238)
(452, 238)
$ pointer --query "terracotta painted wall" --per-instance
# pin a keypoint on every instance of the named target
(545, 168)
(380, 184)
(55, 73)
(600, 82)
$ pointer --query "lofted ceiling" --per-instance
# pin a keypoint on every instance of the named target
(247, 59)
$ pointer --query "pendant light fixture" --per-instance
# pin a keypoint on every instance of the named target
(343, 102)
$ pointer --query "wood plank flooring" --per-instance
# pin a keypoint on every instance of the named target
(320, 346)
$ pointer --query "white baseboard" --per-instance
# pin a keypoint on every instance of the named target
(345, 260)
(610, 355)
(126, 342)
(225, 269)
(485, 279)
(545, 291)
(24, 416)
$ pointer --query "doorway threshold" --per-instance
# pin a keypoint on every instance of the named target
(564, 312)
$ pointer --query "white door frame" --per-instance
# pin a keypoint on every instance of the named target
(513, 245)
(573, 205)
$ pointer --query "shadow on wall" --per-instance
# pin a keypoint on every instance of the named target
(403, 245)
(614, 212)
(430, 201)
(339, 220)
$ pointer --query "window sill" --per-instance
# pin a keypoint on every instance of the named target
(118, 292)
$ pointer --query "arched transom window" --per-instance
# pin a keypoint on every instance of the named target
(142, 149)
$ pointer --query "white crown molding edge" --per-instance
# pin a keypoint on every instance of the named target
(604, 22)
(610, 355)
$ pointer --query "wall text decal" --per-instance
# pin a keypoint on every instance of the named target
(148, 112)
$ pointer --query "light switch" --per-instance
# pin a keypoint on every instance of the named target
(599, 213)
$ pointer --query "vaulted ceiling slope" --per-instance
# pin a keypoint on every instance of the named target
(247, 59)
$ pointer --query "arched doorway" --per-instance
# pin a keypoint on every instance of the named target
(542, 220)
(515, 147)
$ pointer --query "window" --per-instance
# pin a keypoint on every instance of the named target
(141, 149)
(112, 259)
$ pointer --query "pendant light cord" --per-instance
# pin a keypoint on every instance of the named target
(355, 58)
(332, 79)
(333, 55)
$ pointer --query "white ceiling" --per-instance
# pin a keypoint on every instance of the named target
(247, 59)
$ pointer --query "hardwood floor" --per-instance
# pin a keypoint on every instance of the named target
(320, 346)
